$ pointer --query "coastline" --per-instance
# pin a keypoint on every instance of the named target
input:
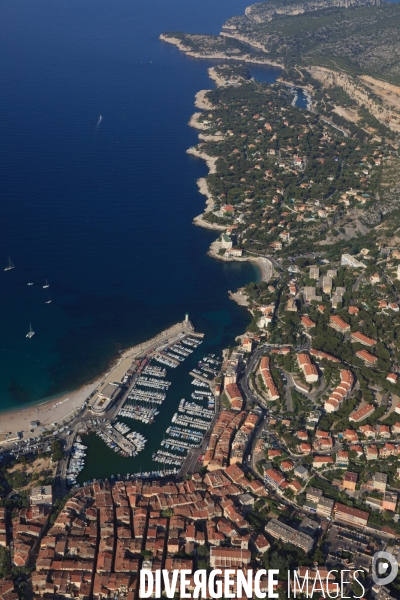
(63, 407)
(60, 409)
(217, 55)
(264, 265)
(307, 90)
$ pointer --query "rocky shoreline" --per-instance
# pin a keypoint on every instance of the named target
(217, 55)
(263, 264)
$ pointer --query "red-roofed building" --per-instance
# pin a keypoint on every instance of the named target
(367, 357)
(234, 396)
(362, 413)
(272, 390)
(339, 324)
(307, 322)
(357, 336)
(274, 477)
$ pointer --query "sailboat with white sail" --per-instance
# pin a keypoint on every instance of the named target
(10, 265)
(46, 285)
(30, 333)
(49, 301)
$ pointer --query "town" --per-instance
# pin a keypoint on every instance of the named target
(302, 456)
(287, 456)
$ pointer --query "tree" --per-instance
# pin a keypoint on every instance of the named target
(56, 451)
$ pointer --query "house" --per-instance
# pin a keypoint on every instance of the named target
(232, 558)
(379, 482)
(271, 389)
(41, 495)
(350, 515)
(349, 481)
(341, 392)
(295, 486)
(367, 358)
(384, 431)
(392, 377)
(322, 461)
(309, 369)
(307, 322)
(226, 242)
(274, 477)
(291, 305)
(301, 472)
(362, 413)
(309, 294)
(371, 453)
(260, 543)
(289, 535)
(367, 430)
(234, 396)
(358, 450)
(247, 345)
(286, 465)
(305, 448)
(388, 450)
(339, 324)
(357, 336)
(323, 355)
(349, 435)
(350, 261)
(314, 273)
(325, 507)
(327, 284)
(353, 310)
(342, 458)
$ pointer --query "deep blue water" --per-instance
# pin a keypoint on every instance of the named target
(104, 214)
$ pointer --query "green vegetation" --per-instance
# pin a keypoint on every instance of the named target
(56, 451)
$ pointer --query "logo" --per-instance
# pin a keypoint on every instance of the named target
(384, 568)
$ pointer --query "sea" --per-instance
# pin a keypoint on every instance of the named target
(97, 197)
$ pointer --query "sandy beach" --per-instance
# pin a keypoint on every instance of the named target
(63, 408)
(262, 263)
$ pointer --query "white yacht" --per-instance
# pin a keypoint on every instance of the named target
(30, 333)
(46, 285)
(49, 301)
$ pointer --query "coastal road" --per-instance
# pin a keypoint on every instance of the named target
(357, 282)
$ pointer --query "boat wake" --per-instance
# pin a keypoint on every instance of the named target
(98, 122)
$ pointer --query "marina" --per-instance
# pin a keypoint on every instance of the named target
(147, 390)
(76, 462)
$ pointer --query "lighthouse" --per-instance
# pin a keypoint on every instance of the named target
(186, 317)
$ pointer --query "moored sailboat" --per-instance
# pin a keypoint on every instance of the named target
(10, 265)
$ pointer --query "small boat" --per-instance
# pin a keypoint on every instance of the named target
(49, 301)
(30, 333)
(46, 285)
(29, 284)
(10, 265)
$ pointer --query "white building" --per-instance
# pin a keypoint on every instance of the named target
(349, 261)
